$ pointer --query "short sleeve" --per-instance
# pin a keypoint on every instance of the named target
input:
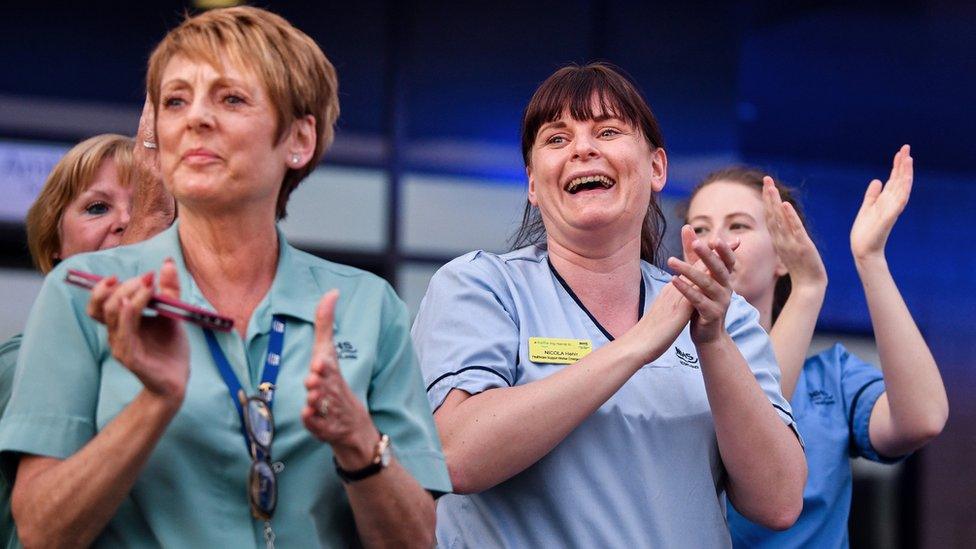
(742, 324)
(862, 384)
(465, 337)
(52, 408)
(398, 405)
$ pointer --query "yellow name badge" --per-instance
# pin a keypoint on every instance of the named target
(558, 351)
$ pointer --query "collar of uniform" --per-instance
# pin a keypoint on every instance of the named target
(167, 245)
(294, 291)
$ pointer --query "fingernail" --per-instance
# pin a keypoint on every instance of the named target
(147, 279)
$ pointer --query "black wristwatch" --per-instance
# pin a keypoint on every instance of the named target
(381, 459)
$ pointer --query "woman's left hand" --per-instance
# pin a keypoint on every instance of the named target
(881, 208)
(332, 412)
(706, 284)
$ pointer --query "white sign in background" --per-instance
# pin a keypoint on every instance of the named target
(23, 169)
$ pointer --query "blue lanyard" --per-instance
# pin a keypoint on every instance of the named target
(276, 341)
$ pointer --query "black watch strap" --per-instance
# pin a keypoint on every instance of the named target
(380, 461)
(358, 474)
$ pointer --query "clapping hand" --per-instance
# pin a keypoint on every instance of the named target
(153, 207)
(881, 207)
(791, 241)
(705, 281)
(153, 348)
(332, 412)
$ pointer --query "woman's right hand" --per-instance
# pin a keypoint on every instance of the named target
(153, 348)
(790, 240)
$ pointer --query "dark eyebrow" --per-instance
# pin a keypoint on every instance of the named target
(557, 124)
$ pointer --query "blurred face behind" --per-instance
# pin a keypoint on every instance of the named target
(727, 210)
(216, 130)
(592, 179)
(96, 218)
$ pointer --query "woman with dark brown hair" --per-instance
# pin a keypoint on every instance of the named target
(585, 397)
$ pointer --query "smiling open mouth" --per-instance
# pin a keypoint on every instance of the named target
(589, 182)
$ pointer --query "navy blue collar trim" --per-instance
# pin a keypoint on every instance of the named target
(572, 294)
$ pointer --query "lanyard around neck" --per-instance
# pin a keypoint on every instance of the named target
(272, 364)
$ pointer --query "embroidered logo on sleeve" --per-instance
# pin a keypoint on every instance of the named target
(686, 359)
(345, 349)
(553, 350)
(821, 397)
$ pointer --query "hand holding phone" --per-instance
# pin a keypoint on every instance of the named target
(164, 305)
(153, 347)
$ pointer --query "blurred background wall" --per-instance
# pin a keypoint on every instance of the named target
(426, 164)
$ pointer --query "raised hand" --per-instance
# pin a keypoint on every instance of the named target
(153, 348)
(791, 241)
(153, 207)
(332, 412)
(706, 283)
(881, 207)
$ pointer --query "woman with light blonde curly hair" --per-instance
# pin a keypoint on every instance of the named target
(83, 206)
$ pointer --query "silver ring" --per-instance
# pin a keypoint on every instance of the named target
(148, 144)
(323, 410)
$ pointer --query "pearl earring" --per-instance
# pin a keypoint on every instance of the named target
(295, 159)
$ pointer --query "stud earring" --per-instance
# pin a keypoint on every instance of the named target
(295, 158)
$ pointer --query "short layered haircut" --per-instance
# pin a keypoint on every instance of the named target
(70, 177)
(297, 76)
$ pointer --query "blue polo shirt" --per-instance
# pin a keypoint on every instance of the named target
(834, 397)
(643, 471)
(192, 492)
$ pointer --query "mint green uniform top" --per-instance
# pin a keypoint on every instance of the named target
(8, 360)
(193, 490)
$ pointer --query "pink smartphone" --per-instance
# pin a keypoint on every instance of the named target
(166, 306)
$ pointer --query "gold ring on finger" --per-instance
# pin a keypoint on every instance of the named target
(323, 409)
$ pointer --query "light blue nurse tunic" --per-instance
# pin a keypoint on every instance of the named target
(643, 471)
(832, 403)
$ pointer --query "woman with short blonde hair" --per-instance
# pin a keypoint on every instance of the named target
(299, 79)
(119, 445)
